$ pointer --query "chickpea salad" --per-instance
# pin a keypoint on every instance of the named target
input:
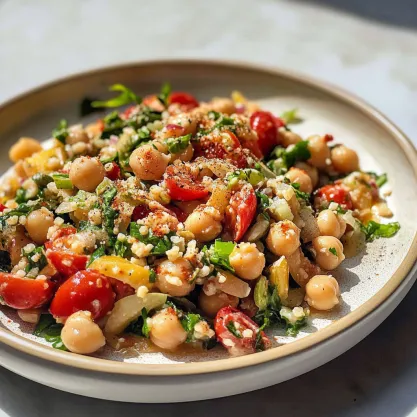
(181, 223)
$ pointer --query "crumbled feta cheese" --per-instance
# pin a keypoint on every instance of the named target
(142, 291)
(247, 333)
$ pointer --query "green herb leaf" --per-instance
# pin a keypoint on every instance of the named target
(380, 180)
(374, 230)
(42, 180)
(290, 117)
(188, 322)
(218, 254)
(98, 253)
(333, 251)
(50, 330)
(126, 96)
(232, 329)
(145, 328)
(152, 276)
(62, 181)
(301, 195)
(286, 158)
(214, 115)
(160, 244)
(61, 132)
(165, 93)
(39, 262)
(176, 145)
(122, 248)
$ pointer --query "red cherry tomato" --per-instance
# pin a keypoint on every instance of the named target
(179, 214)
(185, 100)
(21, 293)
(121, 289)
(241, 211)
(253, 146)
(2, 208)
(182, 184)
(225, 145)
(59, 254)
(114, 172)
(86, 290)
(264, 124)
(153, 102)
(336, 193)
(248, 342)
(140, 212)
(100, 125)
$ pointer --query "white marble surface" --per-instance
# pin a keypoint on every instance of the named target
(43, 40)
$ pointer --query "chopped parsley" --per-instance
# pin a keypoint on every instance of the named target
(301, 195)
(232, 329)
(374, 230)
(380, 180)
(98, 253)
(283, 159)
(152, 276)
(188, 322)
(126, 96)
(160, 244)
(61, 132)
(263, 204)
(218, 254)
(36, 260)
(333, 251)
(50, 330)
(139, 327)
(122, 248)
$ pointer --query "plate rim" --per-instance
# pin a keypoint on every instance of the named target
(94, 364)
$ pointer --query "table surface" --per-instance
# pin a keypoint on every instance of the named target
(44, 40)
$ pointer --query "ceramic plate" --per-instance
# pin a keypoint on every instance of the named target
(371, 284)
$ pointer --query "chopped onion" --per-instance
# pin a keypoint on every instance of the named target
(258, 230)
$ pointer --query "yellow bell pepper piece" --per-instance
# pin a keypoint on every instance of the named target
(280, 277)
(48, 160)
(123, 270)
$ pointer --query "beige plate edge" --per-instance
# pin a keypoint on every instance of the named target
(103, 365)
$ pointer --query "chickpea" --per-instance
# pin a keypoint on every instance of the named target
(204, 223)
(331, 224)
(86, 173)
(320, 152)
(148, 163)
(24, 148)
(329, 252)
(81, 335)
(184, 155)
(247, 261)
(16, 243)
(166, 330)
(288, 138)
(188, 122)
(311, 171)
(37, 224)
(211, 304)
(344, 159)
(301, 177)
(173, 277)
(322, 292)
(222, 105)
(77, 134)
(283, 238)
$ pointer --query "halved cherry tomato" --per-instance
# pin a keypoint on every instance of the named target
(248, 342)
(2, 208)
(253, 146)
(179, 214)
(265, 125)
(140, 212)
(114, 172)
(120, 288)
(225, 145)
(100, 125)
(182, 184)
(22, 293)
(185, 100)
(86, 290)
(241, 211)
(60, 255)
(335, 193)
